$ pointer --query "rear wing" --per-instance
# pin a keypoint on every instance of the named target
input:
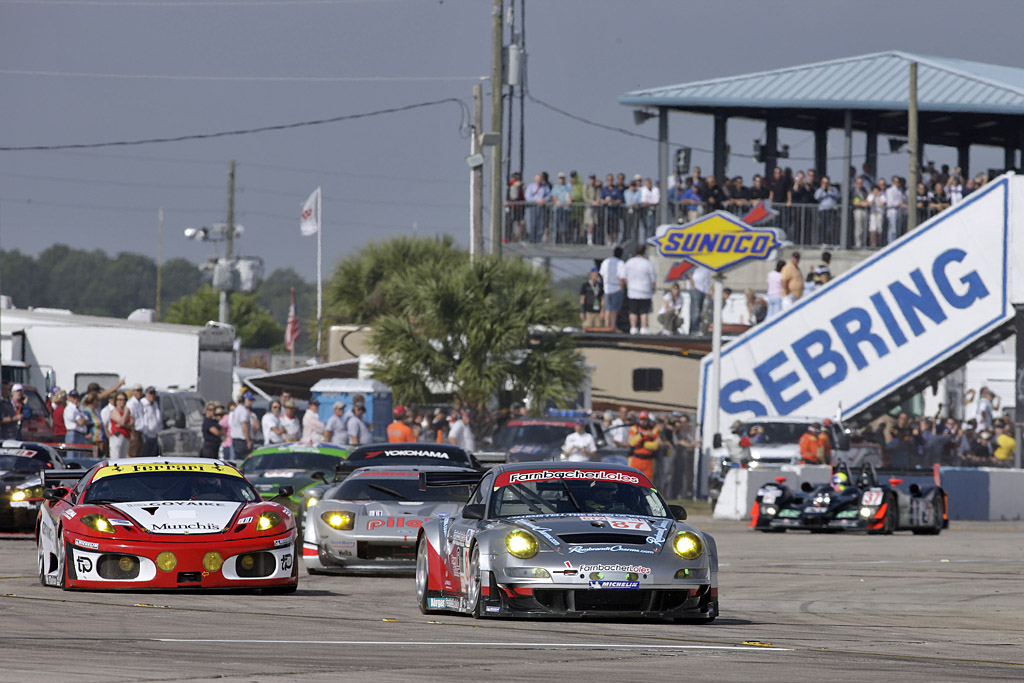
(431, 479)
(62, 475)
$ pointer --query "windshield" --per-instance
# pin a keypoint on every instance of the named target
(16, 463)
(774, 432)
(531, 433)
(398, 488)
(159, 486)
(568, 497)
(292, 460)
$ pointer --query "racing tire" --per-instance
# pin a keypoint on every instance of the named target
(422, 575)
(474, 600)
(42, 568)
(889, 522)
(940, 509)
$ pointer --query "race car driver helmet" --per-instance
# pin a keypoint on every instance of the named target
(840, 481)
(600, 496)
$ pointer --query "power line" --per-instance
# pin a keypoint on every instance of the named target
(243, 79)
(463, 128)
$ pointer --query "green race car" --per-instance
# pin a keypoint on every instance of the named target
(296, 464)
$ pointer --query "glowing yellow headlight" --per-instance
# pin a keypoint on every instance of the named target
(688, 545)
(268, 520)
(126, 563)
(212, 561)
(521, 544)
(310, 502)
(247, 561)
(99, 523)
(166, 561)
(19, 495)
(339, 520)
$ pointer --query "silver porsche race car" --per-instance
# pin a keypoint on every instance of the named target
(369, 522)
(565, 539)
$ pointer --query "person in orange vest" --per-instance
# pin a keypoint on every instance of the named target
(399, 431)
(825, 442)
(811, 450)
(644, 441)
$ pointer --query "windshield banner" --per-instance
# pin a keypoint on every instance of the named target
(524, 476)
(214, 468)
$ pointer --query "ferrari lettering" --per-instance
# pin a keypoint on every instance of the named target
(215, 468)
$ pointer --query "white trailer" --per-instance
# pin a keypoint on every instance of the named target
(79, 349)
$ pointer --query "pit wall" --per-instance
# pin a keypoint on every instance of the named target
(974, 493)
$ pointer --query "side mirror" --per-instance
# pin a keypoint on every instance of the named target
(73, 466)
(806, 487)
(286, 491)
(475, 511)
(716, 441)
(678, 511)
(53, 495)
(318, 476)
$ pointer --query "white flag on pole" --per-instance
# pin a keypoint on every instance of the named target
(310, 224)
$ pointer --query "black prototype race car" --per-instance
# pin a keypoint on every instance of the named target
(847, 503)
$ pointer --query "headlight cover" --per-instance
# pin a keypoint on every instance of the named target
(19, 495)
(268, 520)
(521, 544)
(342, 521)
(99, 523)
(688, 545)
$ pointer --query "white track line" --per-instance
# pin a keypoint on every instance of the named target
(503, 644)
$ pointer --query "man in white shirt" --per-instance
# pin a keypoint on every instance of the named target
(241, 425)
(134, 406)
(639, 277)
(579, 444)
(150, 424)
(291, 425)
(312, 425)
(896, 209)
(611, 275)
(700, 289)
(273, 432)
(619, 433)
(358, 431)
(460, 433)
(671, 312)
(650, 197)
(75, 420)
(334, 430)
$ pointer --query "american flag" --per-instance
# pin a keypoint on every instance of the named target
(291, 330)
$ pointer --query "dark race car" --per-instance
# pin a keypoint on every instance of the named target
(864, 502)
(535, 439)
(21, 485)
(566, 539)
(298, 465)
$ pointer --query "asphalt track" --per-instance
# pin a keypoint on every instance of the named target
(794, 607)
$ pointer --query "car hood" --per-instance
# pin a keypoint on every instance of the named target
(586, 533)
(179, 516)
(268, 481)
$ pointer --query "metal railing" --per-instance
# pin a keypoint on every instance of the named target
(600, 224)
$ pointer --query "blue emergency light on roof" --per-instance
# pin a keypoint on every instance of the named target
(565, 412)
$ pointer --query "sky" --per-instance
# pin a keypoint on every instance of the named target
(97, 71)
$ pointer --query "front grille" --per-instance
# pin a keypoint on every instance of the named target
(263, 564)
(190, 577)
(372, 551)
(616, 599)
(109, 567)
(604, 537)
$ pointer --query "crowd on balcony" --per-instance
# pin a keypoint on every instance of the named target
(576, 211)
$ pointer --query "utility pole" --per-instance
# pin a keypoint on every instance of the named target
(476, 181)
(159, 257)
(912, 137)
(497, 88)
(225, 305)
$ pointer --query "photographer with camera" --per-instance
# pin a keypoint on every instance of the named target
(14, 410)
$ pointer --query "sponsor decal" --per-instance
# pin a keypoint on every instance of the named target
(127, 468)
(245, 520)
(87, 544)
(280, 474)
(789, 513)
(608, 549)
(194, 526)
(394, 522)
(22, 504)
(69, 514)
(375, 513)
(157, 504)
(453, 603)
(568, 571)
(585, 475)
(286, 562)
(872, 498)
(662, 531)
(614, 584)
(435, 603)
(627, 568)
(120, 522)
(20, 452)
(716, 241)
(441, 455)
(282, 541)
(620, 523)
(847, 514)
(84, 564)
(492, 608)
(51, 580)
(769, 495)
(542, 531)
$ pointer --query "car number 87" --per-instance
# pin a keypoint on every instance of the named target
(630, 524)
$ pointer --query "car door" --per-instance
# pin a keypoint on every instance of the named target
(458, 539)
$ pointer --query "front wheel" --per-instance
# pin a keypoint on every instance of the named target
(422, 575)
(473, 595)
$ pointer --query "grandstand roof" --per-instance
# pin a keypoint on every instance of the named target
(952, 94)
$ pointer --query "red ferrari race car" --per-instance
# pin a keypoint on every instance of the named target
(164, 523)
